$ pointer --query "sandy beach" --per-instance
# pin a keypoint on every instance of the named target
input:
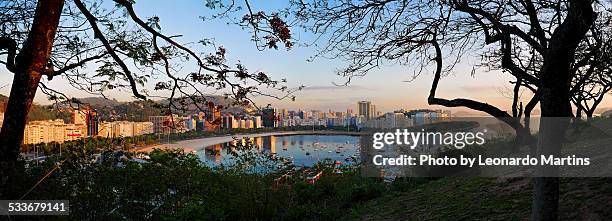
(201, 143)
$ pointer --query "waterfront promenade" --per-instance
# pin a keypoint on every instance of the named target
(201, 143)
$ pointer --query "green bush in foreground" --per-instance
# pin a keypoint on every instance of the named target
(177, 186)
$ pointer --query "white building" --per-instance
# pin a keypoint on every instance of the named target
(124, 129)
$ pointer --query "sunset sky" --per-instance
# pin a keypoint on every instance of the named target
(385, 87)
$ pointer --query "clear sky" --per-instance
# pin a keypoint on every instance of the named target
(384, 87)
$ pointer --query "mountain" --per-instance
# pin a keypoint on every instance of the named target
(603, 110)
(113, 110)
(228, 105)
(468, 114)
(607, 113)
(129, 111)
(471, 113)
(37, 112)
(100, 101)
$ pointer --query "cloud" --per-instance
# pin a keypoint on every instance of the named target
(333, 87)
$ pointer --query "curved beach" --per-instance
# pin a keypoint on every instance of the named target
(201, 143)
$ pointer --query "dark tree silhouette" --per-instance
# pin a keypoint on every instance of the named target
(69, 39)
(593, 78)
(540, 43)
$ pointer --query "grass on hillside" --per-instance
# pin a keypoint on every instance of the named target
(461, 198)
(487, 199)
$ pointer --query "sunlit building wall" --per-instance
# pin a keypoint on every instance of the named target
(52, 131)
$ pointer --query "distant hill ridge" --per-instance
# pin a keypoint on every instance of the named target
(113, 110)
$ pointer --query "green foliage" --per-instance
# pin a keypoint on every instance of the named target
(44, 113)
(173, 185)
(130, 111)
(38, 112)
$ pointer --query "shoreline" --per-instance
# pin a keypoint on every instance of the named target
(201, 143)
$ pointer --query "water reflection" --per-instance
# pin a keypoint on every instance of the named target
(302, 150)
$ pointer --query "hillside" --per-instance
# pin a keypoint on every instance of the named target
(607, 113)
(113, 110)
(456, 198)
(504, 198)
(100, 101)
(228, 104)
(37, 112)
(140, 110)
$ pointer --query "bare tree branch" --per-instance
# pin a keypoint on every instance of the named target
(78, 64)
(100, 36)
(10, 45)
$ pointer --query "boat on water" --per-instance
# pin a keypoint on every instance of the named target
(312, 178)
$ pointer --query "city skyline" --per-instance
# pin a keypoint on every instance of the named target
(85, 123)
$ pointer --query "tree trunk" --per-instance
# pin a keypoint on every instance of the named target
(545, 202)
(31, 63)
(556, 112)
(527, 121)
(555, 104)
(590, 113)
(578, 113)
